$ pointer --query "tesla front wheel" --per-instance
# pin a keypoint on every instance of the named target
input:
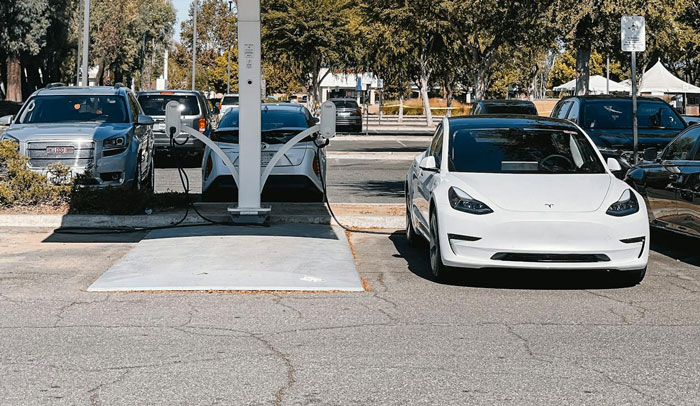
(411, 235)
(440, 271)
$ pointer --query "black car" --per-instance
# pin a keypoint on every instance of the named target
(670, 183)
(348, 114)
(196, 111)
(608, 121)
(521, 107)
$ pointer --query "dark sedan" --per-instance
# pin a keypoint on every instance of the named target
(670, 183)
(348, 114)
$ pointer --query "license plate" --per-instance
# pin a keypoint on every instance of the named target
(160, 127)
(344, 114)
(60, 150)
(265, 158)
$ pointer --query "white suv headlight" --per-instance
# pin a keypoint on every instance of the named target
(625, 206)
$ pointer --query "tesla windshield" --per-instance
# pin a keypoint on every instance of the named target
(522, 150)
(74, 108)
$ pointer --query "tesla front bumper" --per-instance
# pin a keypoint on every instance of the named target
(544, 240)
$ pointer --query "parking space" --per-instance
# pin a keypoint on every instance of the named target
(494, 337)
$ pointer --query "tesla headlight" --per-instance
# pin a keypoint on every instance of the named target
(626, 205)
(460, 200)
(114, 145)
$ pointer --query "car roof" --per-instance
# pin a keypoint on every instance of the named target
(509, 102)
(274, 106)
(510, 121)
(611, 97)
(82, 90)
(342, 99)
(168, 92)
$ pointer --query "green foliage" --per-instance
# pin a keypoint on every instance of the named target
(23, 26)
(564, 68)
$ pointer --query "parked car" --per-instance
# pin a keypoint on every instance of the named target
(670, 183)
(297, 177)
(97, 130)
(494, 192)
(348, 114)
(692, 119)
(504, 107)
(196, 113)
(608, 121)
(227, 102)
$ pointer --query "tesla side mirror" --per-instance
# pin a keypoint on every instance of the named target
(614, 165)
(651, 154)
(428, 164)
(144, 120)
(6, 120)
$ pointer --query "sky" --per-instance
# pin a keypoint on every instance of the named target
(181, 6)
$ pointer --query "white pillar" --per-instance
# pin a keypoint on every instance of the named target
(249, 79)
(86, 42)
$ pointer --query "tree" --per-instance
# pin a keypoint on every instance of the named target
(23, 29)
(309, 35)
(564, 68)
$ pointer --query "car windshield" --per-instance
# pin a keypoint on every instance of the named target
(154, 104)
(278, 125)
(511, 109)
(522, 150)
(346, 104)
(617, 115)
(74, 108)
(230, 101)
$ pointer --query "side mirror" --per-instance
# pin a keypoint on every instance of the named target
(6, 120)
(144, 120)
(651, 154)
(614, 165)
(428, 164)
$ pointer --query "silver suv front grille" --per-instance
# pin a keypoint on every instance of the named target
(70, 153)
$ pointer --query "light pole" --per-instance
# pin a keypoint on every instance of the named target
(194, 44)
(86, 42)
(228, 69)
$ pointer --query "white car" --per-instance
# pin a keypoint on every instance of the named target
(518, 192)
(296, 177)
(227, 102)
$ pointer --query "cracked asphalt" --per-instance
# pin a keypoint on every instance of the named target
(496, 337)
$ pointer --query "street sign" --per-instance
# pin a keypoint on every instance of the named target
(633, 34)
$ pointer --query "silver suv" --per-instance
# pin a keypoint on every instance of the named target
(101, 131)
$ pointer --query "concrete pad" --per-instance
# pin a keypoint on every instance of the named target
(285, 257)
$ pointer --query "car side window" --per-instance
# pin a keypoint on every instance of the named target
(436, 146)
(564, 110)
(134, 108)
(681, 147)
(573, 112)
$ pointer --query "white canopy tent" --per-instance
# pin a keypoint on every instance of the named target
(658, 81)
(596, 85)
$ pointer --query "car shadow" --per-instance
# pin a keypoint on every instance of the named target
(168, 161)
(376, 188)
(503, 278)
(683, 248)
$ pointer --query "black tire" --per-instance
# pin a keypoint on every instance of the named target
(137, 185)
(632, 278)
(440, 271)
(411, 235)
(151, 181)
(357, 129)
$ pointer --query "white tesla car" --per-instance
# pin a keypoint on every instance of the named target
(296, 177)
(518, 192)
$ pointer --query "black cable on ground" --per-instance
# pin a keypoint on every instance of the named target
(328, 203)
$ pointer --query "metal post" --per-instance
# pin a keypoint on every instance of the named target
(249, 82)
(228, 66)
(86, 42)
(194, 44)
(165, 66)
(634, 106)
(607, 73)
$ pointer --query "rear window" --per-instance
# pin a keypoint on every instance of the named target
(522, 150)
(230, 101)
(154, 104)
(74, 108)
(511, 109)
(271, 119)
(346, 104)
(617, 115)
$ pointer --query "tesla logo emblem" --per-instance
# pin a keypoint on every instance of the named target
(550, 205)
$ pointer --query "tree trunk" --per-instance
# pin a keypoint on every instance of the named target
(449, 96)
(14, 79)
(400, 109)
(101, 72)
(583, 68)
(426, 101)
(481, 84)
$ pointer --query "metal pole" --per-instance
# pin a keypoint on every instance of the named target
(86, 42)
(77, 56)
(634, 106)
(228, 68)
(607, 70)
(194, 44)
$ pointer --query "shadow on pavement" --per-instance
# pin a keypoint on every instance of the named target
(683, 248)
(418, 263)
(166, 160)
(377, 188)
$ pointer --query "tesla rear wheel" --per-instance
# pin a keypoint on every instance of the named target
(440, 271)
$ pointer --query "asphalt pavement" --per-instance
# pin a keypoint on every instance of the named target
(497, 337)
